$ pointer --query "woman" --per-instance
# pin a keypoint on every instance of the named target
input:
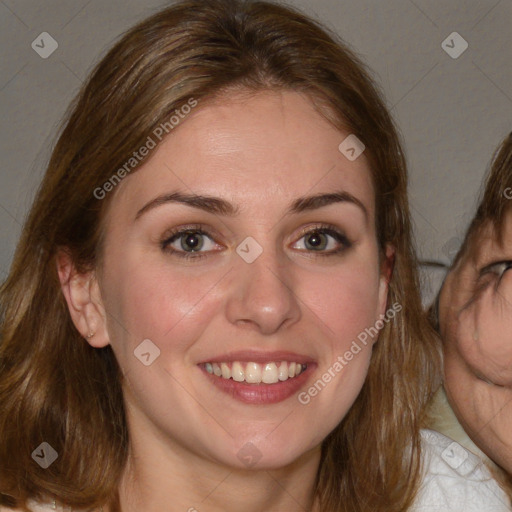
(473, 319)
(213, 305)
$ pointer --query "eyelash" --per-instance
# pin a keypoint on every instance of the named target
(325, 229)
(334, 232)
(174, 235)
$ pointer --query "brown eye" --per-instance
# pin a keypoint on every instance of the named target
(323, 240)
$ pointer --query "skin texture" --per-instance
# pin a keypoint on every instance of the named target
(260, 152)
(476, 327)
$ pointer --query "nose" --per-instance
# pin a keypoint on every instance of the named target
(262, 295)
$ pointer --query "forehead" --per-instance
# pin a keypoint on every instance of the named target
(265, 148)
(490, 243)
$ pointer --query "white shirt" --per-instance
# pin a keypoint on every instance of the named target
(454, 480)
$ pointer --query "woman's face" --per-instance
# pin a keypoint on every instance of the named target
(278, 268)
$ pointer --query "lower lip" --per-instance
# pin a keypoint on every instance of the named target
(261, 393)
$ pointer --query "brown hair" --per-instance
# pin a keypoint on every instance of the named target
(495, 202)
(57, 388)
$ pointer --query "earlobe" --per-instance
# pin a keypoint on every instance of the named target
(388, 263)
(386, 272)
(83, 299)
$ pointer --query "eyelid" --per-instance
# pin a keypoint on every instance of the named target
(328, 229)
(502, 266)
(319, 227)
(498, 268)
(196, 228)
(174, 234)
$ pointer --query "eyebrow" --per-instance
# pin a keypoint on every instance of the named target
(220, 206)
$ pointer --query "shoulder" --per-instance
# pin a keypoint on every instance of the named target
(455, 479)
(34, 506)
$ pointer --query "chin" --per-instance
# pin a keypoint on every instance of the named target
(260, 454)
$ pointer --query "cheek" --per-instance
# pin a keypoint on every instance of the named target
(154, 301)
(343, 311)
(177, 307)
(457, 380)
(345, 302)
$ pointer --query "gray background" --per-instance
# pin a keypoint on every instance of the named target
(452, 112)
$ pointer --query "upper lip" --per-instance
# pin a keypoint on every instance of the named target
(257, 356)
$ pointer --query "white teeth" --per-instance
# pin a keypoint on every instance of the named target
(269, 375)
(283, 371)
(255, 373)
(226, 370)
(237, 372)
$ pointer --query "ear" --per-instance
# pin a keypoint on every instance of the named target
(386, 271)
(84, 301)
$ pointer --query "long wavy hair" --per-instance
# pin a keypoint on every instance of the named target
(55, 387)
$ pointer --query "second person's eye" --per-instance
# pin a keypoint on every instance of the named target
(498, 268)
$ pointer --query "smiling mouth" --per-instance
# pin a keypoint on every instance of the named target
(256, 373)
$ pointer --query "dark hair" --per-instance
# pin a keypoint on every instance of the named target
(496, 199)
